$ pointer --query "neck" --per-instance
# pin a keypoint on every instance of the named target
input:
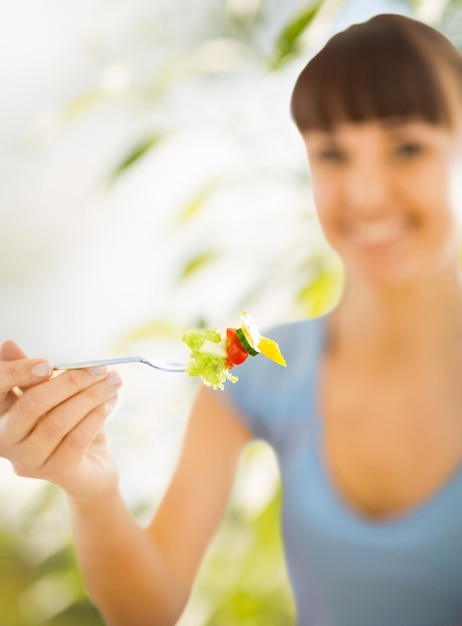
(423, 318)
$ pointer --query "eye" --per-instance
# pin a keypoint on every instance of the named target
(331, 154)
(409, 149)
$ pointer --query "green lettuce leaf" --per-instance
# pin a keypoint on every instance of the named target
(208, 357)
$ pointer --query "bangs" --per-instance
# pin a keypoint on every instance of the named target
(374, 70)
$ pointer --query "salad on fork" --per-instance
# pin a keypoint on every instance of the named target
(214, 355)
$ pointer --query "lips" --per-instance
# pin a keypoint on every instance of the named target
(379, 230)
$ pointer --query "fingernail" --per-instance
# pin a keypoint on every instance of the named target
(98, 370)
(113, 379)
(42, 369)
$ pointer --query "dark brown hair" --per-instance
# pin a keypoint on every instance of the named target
(390, 66)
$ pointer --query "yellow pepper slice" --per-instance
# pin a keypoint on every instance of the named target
(270, 349)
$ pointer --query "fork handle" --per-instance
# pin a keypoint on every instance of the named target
(96, 363)
(164, 366)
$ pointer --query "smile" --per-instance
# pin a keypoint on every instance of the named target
(378, 231)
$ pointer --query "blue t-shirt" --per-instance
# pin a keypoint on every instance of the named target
(346, 570)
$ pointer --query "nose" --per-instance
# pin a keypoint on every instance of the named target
(367, 186)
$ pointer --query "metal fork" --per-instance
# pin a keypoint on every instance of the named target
(165, 366)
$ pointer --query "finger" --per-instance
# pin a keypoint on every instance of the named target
(62, 461)
(76, 444)
(34, 406)
(10, 351)
(16, 370)
(51, 430)
(8, 399)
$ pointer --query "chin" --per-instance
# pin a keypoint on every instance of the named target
(386, 276)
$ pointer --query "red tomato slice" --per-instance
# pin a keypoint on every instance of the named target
(236, 352)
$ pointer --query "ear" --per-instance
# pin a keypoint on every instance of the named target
(10, 351)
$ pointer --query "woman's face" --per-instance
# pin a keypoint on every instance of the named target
(388, 196)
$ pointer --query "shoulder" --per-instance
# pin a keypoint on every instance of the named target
(266, 394)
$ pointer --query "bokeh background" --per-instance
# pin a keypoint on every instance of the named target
(152, 181)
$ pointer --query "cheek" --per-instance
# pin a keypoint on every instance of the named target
(432, 193)
(441, 193)
(326, 200)
(455, 192)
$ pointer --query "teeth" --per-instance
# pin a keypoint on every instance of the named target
(378, 231)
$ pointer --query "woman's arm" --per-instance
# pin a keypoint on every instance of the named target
(143, 576)
(126, 573)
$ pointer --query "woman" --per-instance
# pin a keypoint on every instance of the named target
(366, 419)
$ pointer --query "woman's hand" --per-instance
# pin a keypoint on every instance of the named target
(52, 427)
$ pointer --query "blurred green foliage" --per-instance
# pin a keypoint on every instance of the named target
(135, 154)
(243, 578)
(35, 590)
(287, 42)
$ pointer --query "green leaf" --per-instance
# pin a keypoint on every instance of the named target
(197, 263)
(196, 203)
(321, 293)
(288, 40)
(135, 154)
(83, 104)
